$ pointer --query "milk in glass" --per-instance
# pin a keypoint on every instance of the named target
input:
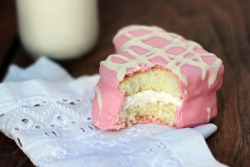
(60, 29)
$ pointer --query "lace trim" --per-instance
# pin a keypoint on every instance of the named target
(58, 131)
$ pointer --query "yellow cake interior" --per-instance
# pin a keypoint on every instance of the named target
(153, 95)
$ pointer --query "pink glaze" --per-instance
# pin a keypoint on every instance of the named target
(157, 42)
(198, 99)
(159, 61)
(176, 51)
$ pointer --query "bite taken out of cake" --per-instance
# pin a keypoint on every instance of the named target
(156, 76)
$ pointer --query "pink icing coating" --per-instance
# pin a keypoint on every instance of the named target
(198, 99)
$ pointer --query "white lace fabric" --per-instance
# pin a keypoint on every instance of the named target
(48, 114)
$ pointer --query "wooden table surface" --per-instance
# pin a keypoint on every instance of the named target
(220, 26)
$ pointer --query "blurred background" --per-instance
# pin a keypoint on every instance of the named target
(221, 27)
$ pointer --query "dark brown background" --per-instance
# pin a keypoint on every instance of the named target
(221, 26)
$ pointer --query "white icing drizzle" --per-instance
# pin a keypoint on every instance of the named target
(185, 93)
(208, 114)
(99, 98)
(175, 62)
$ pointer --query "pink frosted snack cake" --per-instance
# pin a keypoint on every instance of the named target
(156, 76)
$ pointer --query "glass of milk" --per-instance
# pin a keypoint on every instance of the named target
(59, 29)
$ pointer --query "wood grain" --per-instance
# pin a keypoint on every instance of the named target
(221, 27)
(8, 31)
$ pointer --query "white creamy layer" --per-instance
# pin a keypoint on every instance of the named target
(151, 96)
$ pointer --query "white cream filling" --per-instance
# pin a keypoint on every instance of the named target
(150, 96)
